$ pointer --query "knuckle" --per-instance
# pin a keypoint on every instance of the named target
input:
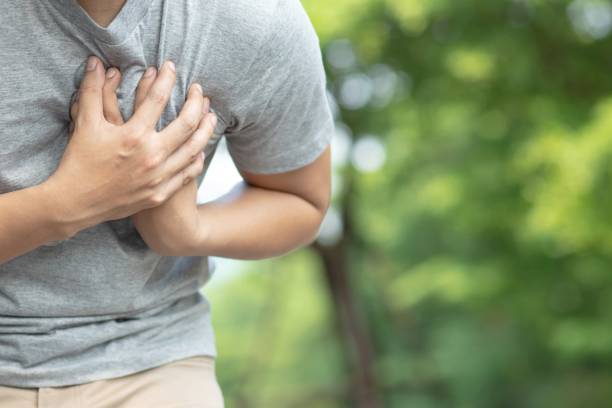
(187, 177)
(202, 138)
(189, 123)
(199, 167)
(157, 198)
(196, 144)
(155, 182)
(195, 151)
(153, 160)
(131, 140)
(89, 89)
(156, 96)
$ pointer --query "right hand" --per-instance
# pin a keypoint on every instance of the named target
(111, 171)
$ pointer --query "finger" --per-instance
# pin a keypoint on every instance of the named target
(190, 150)
(157, 97)
(183, 177)
(193, 170)
(187, 122)
(90, 91)
(110, 104)
(145, 83)
(207, 128)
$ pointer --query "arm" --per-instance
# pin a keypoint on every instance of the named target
(28, 219)
(269, 215)
(280, 144)
(282, 121)
(106, 172)
(167, 228)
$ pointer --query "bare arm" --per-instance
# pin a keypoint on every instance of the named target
(106, 172)
(28, 219)
(284, 103)
(166, 228)
(269, 215)
(266, 216)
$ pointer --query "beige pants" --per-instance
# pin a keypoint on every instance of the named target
(186, 383)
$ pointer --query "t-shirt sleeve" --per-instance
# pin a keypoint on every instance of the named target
(283, 120)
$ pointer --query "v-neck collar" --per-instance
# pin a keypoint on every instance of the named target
(117, 31)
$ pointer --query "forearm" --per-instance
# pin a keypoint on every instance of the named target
(28, 219)
(169, 228)
(255, 223)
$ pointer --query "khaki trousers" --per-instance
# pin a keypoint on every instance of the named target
(186, 383)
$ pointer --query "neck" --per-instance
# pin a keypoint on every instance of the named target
(102, 12)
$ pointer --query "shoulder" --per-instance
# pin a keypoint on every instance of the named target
(246, 49)
(255, 28)
(249, 18)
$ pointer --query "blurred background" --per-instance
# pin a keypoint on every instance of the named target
(466, 260)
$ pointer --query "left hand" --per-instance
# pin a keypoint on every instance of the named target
(172, 227)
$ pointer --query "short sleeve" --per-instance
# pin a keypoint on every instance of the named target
(283, 119)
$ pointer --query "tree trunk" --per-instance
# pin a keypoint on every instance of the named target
(351, 324)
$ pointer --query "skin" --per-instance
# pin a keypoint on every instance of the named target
(102, 12)
(107, 172)
(266, 215)
(110, 172)
(163, 237)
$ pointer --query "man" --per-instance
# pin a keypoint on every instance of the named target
(84, 301)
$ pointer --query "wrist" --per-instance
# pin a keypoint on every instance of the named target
(60, 212)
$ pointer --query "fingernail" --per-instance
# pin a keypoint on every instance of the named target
(111, 73)
(213, 120)
(149, 71)
(91, 63)
(206, 105)
(202, 154)
(198, 87)
(171, 65)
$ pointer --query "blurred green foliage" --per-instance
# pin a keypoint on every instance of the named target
(480, 252)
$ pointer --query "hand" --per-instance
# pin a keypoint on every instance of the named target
(171, 227)
(110, 171)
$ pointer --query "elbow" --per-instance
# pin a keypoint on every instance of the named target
(317, 222)
(322, 207)
(323, 202)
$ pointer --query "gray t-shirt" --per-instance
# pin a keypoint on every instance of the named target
(102, 304)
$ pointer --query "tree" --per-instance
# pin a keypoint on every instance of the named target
(467, 254)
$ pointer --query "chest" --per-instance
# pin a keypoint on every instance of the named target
(39, 80)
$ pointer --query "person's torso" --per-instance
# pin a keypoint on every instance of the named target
(106, 269)
(102, 304)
